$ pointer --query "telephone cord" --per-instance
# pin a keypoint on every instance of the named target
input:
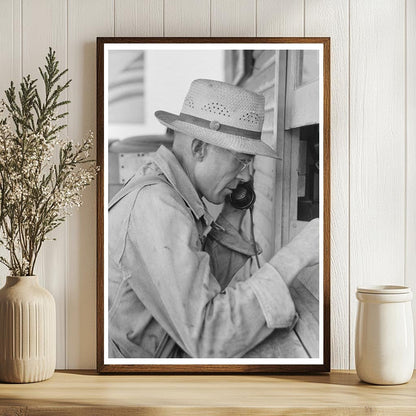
(253, 241)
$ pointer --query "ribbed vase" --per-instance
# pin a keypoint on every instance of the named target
(27, 331)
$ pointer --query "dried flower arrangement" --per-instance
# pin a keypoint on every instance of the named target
(42, 176)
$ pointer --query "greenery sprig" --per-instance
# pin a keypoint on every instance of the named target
(42, 176)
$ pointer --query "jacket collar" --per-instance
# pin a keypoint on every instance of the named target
(178, 178)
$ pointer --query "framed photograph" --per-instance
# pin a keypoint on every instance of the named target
(213, 223)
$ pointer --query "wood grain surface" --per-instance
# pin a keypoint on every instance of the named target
(81, 393)
(187, 18)
(138, 18)
(233, 18)
(377, 149)
(84, 20)
(51, 265)
(410, 258)
(331, 18)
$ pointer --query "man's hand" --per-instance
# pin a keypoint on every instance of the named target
(232, 215)
(301, 252)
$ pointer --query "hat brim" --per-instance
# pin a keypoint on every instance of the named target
(238, 144)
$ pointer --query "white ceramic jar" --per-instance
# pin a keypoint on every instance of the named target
(384, 337)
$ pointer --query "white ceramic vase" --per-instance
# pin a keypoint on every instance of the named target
(27, 331)
(384, 340)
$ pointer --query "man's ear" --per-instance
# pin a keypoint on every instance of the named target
(199, 149)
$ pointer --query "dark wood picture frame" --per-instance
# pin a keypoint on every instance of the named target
(104, 367)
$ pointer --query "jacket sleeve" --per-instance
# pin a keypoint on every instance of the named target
(165, 265)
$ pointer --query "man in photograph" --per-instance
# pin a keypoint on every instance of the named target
(173, 288)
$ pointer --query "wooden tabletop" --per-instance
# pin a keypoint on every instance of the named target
(86, 393)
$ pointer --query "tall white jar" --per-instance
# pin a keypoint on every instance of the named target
(384, 338)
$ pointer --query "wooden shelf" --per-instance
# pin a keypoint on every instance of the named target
(86, 393)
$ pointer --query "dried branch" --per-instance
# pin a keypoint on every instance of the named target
(36, 193)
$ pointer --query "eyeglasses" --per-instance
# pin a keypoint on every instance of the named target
(245, 163)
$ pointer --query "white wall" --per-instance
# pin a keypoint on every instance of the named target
(373, 132)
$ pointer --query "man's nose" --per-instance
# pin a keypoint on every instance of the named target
(244, 175)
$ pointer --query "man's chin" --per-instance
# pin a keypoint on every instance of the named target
(216, 202)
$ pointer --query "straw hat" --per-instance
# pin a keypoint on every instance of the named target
(221, 114)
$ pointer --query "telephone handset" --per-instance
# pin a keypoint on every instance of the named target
(243, 197)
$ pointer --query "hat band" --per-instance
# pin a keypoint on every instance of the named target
(223, 128)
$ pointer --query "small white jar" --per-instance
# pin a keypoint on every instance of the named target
(384, 337)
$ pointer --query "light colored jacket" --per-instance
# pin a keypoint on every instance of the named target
(170, 286)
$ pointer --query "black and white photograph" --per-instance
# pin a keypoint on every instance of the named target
(213, 205)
